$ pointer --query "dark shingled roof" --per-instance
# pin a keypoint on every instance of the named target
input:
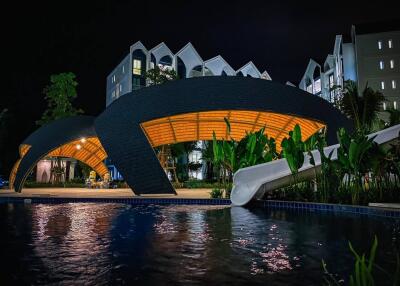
(125, 142)
(49, 137)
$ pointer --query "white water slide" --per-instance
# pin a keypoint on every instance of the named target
(252, 182)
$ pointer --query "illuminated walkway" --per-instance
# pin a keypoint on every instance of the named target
(102, 193)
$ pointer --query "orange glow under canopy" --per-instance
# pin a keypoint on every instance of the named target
(87, 150)
(200, 126)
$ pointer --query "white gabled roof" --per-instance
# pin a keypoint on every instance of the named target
(249, 69)
(217, 65)
(265, 75)
(290, 84)
(138, 46)
(312, 64)
(186, 55)
(338, 43)
(160, 51)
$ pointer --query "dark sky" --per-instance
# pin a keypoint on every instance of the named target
(42, 38)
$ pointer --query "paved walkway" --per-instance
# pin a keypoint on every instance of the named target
(102, 193)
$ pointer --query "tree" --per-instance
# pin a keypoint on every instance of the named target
(159, 75)
(59, 95)
(362, 108)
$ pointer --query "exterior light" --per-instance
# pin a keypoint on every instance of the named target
(83, 140)
(78, 146)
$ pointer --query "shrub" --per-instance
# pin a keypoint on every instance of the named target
(216, 193)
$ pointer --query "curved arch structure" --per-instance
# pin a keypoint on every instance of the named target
(190, 109)
(73, 137)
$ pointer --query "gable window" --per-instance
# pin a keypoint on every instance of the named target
(309, 88)
(137, 67)
(380, 45)
(317, 86)
(331, 81)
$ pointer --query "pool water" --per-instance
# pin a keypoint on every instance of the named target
(118, 244)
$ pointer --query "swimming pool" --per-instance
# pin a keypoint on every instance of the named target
(120, 244)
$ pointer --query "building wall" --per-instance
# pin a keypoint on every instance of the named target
(368, 59)
(374, 57)
(123, 79)
(118, 81)
(349, 62)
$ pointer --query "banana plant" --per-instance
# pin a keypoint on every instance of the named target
(292, 150)
(354, 158)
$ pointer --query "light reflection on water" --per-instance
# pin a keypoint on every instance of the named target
(103, 244)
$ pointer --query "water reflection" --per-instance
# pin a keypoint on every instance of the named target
(116, 244)
(71, 238)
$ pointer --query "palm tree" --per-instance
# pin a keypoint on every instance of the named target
(362, 108)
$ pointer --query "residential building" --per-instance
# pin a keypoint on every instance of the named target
(129, 74)
(371, 57)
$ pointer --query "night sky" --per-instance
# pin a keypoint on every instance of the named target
(41, 39)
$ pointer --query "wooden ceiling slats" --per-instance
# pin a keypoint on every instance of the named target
(200, 126)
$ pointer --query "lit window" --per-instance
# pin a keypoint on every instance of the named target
(137, 67)
(395, 104)
(381, 65)
(392, 64)
(309, 88)
(317, 86)
(390, 42)
(331, 81)
(393, 84)
(123, 69)
(117, 90)
(384, 106)
(113, 79)
(380, 45)
(382, 85)
(120, 88)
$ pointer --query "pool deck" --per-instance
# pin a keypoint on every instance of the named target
(101, 193)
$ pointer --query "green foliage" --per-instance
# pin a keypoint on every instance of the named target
(354, 159)
(362, 274)
(364, 171)
(394, 116)
(159, 76)
(216, 193)
(71, 184)
(180, 152)
(59, 95)
(293, 150)
(363, 271)
(253, 149)
(362, 108)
